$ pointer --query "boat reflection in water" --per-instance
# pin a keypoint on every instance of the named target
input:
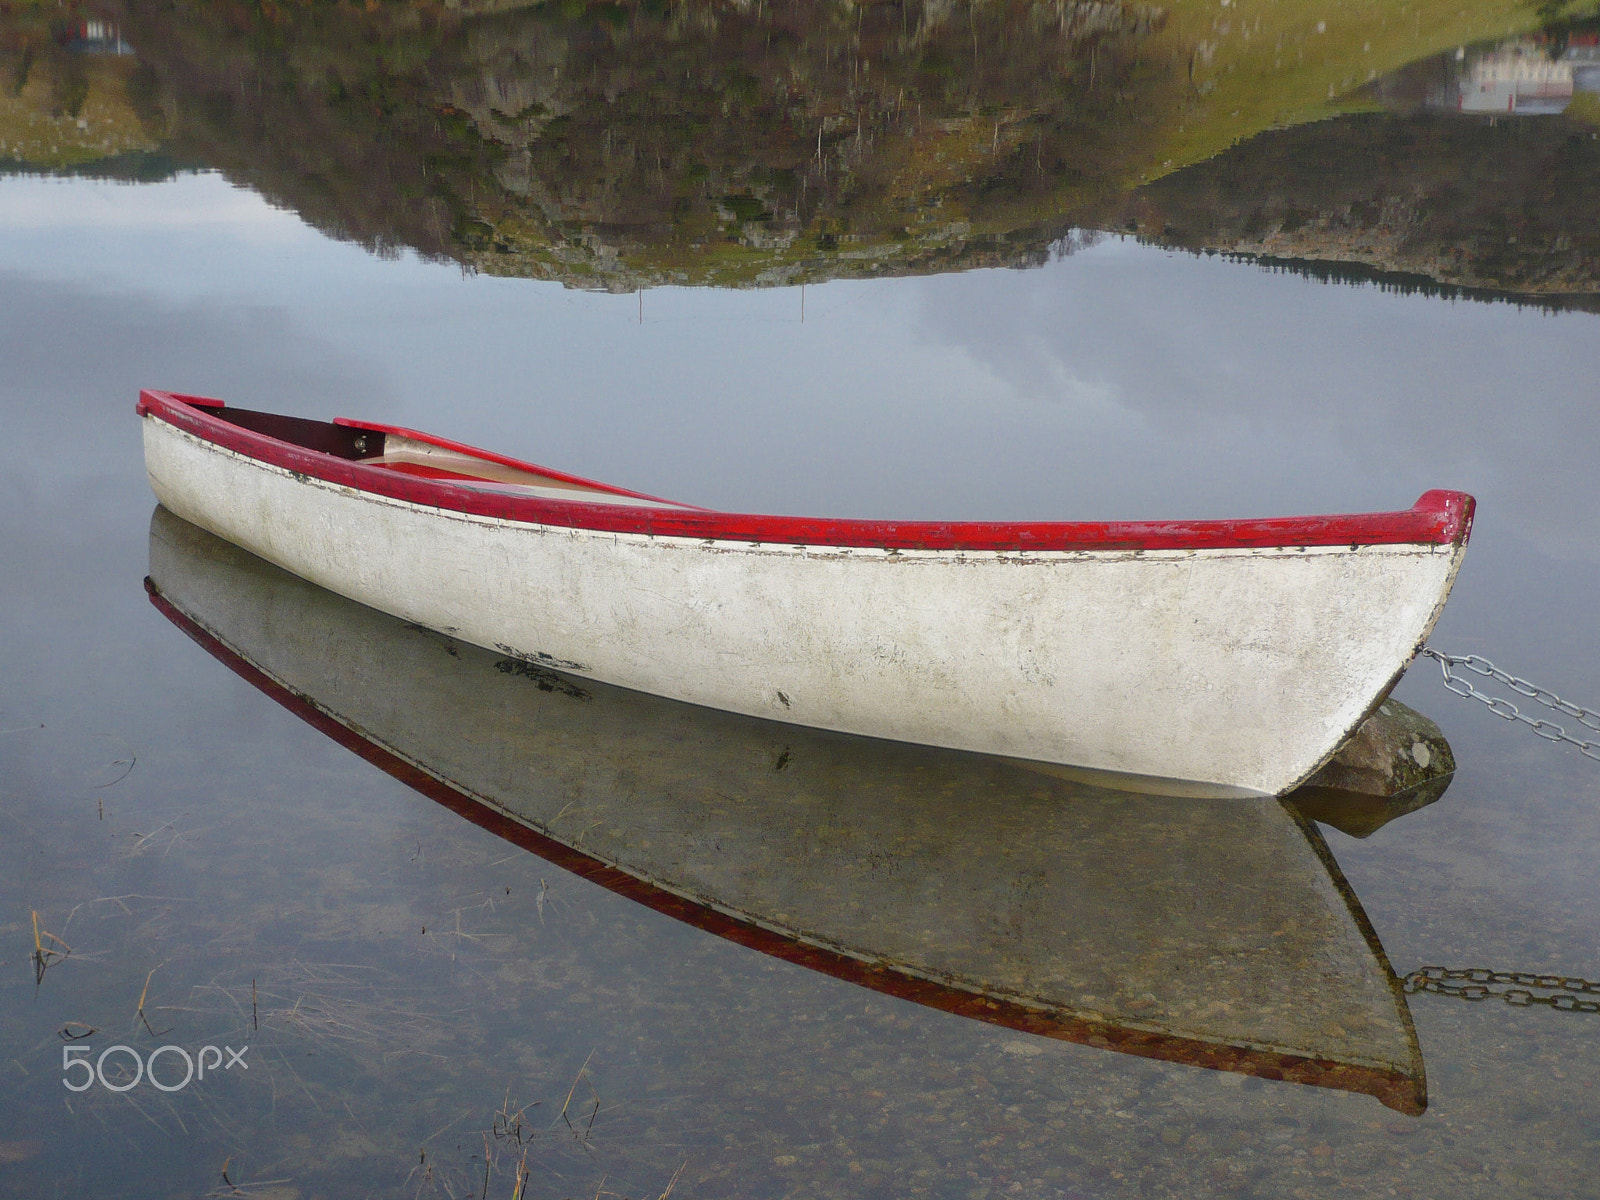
(1214, 933)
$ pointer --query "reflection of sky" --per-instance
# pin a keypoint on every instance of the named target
(1120, 382)
(1123, 381)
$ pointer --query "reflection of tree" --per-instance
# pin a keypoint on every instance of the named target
(697, 141)
(742, 141)
(1506, 207)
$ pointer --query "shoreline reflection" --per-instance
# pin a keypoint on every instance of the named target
(617, 148)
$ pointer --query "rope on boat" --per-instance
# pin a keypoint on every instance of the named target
(1502, 707)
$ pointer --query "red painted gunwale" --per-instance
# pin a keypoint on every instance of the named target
(1438, 518)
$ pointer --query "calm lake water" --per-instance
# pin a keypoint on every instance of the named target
(998, 261)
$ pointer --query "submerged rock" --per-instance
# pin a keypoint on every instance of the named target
(1397, 762)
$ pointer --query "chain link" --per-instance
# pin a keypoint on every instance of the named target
(1502, 707)
(1516, 988)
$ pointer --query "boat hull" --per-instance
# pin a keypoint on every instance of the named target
(1235, 671)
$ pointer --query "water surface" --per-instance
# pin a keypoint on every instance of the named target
(1142, 267)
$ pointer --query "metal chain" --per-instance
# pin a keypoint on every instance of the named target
(1479, 983)
(1501, 707)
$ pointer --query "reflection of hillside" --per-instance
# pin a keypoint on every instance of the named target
(1505, 207)
(702, 143)
(67, 94)
(616, 146)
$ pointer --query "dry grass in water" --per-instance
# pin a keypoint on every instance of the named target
(46, 956)
(165, 837)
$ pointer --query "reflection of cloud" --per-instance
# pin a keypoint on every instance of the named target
(74, 503)
(1258, 393)
(1122, 381)
(189, 201)
(74, 363)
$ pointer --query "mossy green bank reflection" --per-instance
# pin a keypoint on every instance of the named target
(622, 146)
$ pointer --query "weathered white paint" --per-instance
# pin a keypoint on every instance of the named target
(1237, 670)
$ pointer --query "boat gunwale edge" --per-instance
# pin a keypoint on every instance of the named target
(1439, 517)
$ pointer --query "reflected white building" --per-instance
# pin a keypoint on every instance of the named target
(97, 37)
(1518, 79)
(1584, 59)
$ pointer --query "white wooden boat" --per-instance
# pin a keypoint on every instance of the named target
(1216, 935)
(1233, 657)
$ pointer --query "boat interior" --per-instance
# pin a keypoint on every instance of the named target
(417, 455)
